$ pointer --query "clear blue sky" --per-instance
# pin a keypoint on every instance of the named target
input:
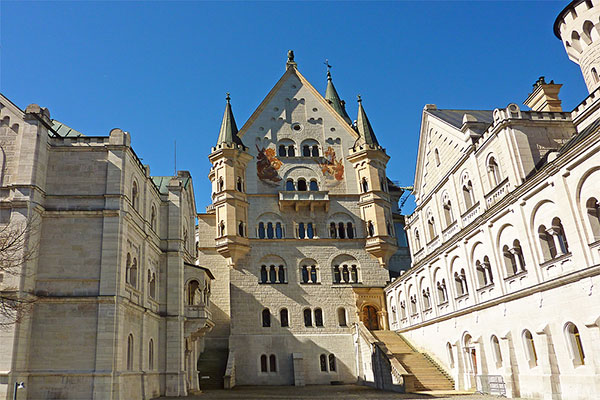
(160, 70)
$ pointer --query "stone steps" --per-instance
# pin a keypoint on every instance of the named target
(427, 375)
(211, 368)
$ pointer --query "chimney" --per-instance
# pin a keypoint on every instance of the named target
(544, 96)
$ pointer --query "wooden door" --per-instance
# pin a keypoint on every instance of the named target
(370, 318)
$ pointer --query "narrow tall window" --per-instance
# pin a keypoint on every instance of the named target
(263, 274)
(593, 214)
(239, 184)
(307, 317)
(547, 243)
(281, 274)
(370, 229)
(263, 363)
(530, 352)
(283, 317)
(153, 218)
(450, 355)
(315, 151)
(134, 273)
(306, 150)
(151, 355)
(266, 318)
(575, 345)
(291, 151)
(437, 157)
(345, 274)
(134, 195)
(272, 363)
(468, 194)
(323, 362)
(128, 268)
(314, 186)
(310, 233)
(341, 231)
(221, 185)
(493, 172)
(342, 317)
(278, 230)
(269, 230)
(318, 317)
(282, 151)
(448, 212)
(561, 237)
(289, 185)
(365, 185)
(272, 274)
(302, 185)
(130, 352)
(496, 351)
(510, 261)
(301, 230)
(304, 274)
(241, 229)
(261, 230)
(313, 274)
(354, 274)
(332, 363)
(337, 277)
(349, 230)
(332, 230)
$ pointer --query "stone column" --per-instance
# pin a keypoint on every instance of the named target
(507, 365)
(546, 360)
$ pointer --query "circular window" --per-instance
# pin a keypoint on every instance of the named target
(315, 110)
(332, 129)
(297, 127)
(275, 109)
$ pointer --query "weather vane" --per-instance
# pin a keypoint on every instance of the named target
(327, 64)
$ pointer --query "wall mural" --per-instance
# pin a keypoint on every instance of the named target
(332, 167)
(267, 166)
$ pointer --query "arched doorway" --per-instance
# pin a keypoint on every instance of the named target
(370, 318)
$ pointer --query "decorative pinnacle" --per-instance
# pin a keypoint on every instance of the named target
(328, 69)
(290, 55)
(227, 97)
(359, 99)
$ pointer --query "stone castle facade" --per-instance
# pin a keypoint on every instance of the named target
(505, 237)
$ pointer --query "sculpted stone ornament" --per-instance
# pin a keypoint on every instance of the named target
(290, 55)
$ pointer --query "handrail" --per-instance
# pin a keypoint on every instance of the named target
(398, 369)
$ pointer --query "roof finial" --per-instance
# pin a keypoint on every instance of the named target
(290, 55)
(359, 99)
(328, 69)
(227, 97)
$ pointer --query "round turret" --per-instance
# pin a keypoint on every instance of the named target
(578, 26)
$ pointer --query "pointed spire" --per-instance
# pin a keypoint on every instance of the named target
(364, 128)
(229, 131)
(332, 97)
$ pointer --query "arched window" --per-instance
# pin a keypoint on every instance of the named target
(266, 318)
(365, 185)
(345, 273)
(307, 317)
(151, 355)
(437, 157)
(318, 317)
(313, 274)
(354, 274)
(349, 230)
(239, 184)
(221, 229)
(134, 195)
(151, 284)
(278, 230)
(468, 194)
(337, 276)
(305, 274)
(153, 218)
(310, 233)
(560, 235)
(323, 362)
(282, 150)
(283, 317)
(289, 185)
(413, 305)
(574, 344)
(263, 274)
(481, 275)
(370, 229)
(341, 230)
(314, 151)
(403, 309)
(263, 363)
(341, 312)
(493, 171)
(302, 185)
(448, 215)
(130, 352)
(133, 273)
(460, 280)
(593, 214)
(595, 75)
(261, 230)
(192, 289)
(510, 261)
(431, 227)
(270, 231)
(272, 363)
(314, 186)
(306, 150)
(241, 229)
(529, 346)
(128, 269)
(441, 290)
(426, 299)
(450, 355)
(221, 185)
(332, 365)
(547, 243)
(332, 230)
(496, 350)
(301, 230)
(417, 240)
(272, 274)
(281, 274)
(291, 151)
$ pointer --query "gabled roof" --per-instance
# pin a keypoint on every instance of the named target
(229, 132)
(455, 117)
(292, 70)
(332, 97)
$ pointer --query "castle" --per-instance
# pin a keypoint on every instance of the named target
(296, 273)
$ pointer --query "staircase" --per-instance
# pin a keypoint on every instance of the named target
(427, 374)
(211, 368)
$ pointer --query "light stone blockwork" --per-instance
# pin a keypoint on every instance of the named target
(113, 316)
(505, 240)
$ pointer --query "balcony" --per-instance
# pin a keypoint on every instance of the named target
(434, 244)
(198, 320)
(310, 200)
(497, 193)
(471, 214)
(450, 231)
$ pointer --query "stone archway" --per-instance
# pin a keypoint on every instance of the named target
(370, 317)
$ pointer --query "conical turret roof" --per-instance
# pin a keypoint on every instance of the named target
(364, 128)
(229, 131)
(332, 97)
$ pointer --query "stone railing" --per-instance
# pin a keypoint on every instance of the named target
(471, 214)
(450, 231)
(418, 256)
(229, 377)
(210, 208)
(304, 196)
(497, 193)
(434, 244)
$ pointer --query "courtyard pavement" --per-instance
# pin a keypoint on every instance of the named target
(329, 392)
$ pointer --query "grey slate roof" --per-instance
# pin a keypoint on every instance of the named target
(333, 98)
(365, 130)
(229, 131)
(455, 117)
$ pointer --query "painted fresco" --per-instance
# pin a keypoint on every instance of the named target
(331, 167)
(267, 166)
